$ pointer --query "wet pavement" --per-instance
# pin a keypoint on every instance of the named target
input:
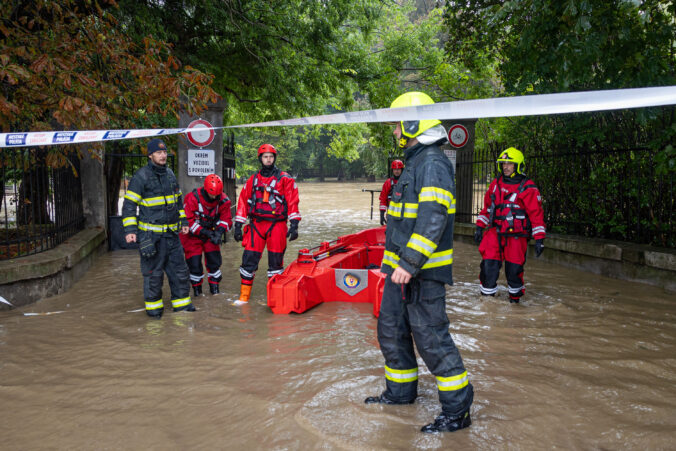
(583, 362)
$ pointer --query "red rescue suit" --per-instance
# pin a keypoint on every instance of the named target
(202, 212)
(386, 193)
(512, 212)
(268, 202)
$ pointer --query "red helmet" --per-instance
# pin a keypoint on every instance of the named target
(267, 148)
(213, 185)
(397, 164)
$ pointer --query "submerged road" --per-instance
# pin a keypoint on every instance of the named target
(583, 362)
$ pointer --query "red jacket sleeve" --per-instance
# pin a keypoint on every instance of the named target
(482, 219)
(384, 193)
(291, 196)
(224, 215)
(190, 206)
(242, 202)
(532, 201)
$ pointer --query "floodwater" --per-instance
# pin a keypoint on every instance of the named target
(584, 362)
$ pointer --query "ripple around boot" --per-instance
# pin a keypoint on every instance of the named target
(444, 423)
(382, 399)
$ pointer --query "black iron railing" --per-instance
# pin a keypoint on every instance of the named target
(40, 206)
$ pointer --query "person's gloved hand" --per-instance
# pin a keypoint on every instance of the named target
(215, 237)
(238, 236)
(383, 221)
(478, 235)
(204, 234)
(539, 247)
(292, 234)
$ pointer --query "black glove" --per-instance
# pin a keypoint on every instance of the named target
(238, 236)
(204, 234)
(292, 234)
(478, 235)
(215, 237)
(539, 247)
(383, 221)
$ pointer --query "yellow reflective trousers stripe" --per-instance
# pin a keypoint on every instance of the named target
(154, 305)
(176, 303)
(453, 382)
(401, 376)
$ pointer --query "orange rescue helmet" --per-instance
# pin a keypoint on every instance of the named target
(397, 164)
(213, 185)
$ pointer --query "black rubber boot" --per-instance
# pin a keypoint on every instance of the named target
(186, 308)
(513, 301)
(198, 290)
(445, 423)
(156, 314)
(213, 288)
(382, 399)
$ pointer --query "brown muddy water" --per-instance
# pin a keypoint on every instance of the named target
(585, 362)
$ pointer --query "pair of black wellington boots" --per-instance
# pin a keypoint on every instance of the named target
(442, 423)
(213, 289)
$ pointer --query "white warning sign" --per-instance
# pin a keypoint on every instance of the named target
(201, 162)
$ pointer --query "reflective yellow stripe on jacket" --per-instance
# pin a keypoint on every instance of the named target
(421, 244)
(152, 201)
(131, 220)
(438, 195)
(435, 260)
(401, 376)
(410, 210)
(159, 227)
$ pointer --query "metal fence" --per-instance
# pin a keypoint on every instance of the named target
(610, 193)
(40, 206)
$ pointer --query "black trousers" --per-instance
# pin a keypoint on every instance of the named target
(417, 312)
(168, 258)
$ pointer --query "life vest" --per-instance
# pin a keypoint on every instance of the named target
(506, 214)
(208, 217)
(266, 202)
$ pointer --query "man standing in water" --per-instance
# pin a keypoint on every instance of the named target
(268, 199)
(386, 193)
(418, 261)
(154, 190)
(512, 213)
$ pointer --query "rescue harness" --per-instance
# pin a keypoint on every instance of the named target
(208, 217)
(514, 221)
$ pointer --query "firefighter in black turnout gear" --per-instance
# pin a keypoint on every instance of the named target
(155, 192)
(418, 261)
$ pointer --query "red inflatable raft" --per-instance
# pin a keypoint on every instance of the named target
(344, 270)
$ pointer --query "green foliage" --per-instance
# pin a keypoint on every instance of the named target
(546, 46)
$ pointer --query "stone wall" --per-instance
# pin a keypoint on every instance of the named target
(616, 259)
(28, 279)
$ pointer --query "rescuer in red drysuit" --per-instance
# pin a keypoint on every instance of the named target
(386, 193)
(268, 199)
(512, 212)
(208, 212)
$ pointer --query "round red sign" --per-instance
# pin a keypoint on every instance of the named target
(458, 135)
(201, 133)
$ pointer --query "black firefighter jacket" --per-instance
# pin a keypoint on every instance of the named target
(420, 216)
(155, 191)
